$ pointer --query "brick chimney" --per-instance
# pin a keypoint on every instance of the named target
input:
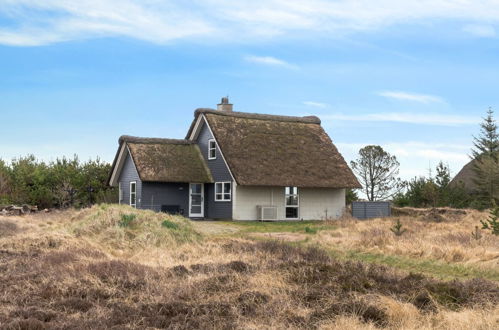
(224, 105)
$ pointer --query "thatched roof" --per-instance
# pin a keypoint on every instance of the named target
(466, 176)
(167, 160)
(278, 150)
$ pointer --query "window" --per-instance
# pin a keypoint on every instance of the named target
(133, 194)
(292, 202)
(222, 191)
(120, 193)
(212, 149)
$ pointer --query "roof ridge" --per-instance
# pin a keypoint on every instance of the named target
(260, 116)
(144, 140)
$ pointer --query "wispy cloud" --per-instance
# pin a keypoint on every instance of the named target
(404, 117)
(478, 30)
(269, 60)
(39, 22)
(316, 104)
(414, 97)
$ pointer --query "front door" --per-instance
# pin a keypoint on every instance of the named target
(196, 200)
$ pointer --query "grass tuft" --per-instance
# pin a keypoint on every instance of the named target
(126, 220)
(169, 224)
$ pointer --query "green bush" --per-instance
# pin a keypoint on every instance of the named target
(126, 220)
(62, 183)
(170, 225)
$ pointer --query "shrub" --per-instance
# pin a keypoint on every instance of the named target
(126, 220)
(169, 224)
(492, 223)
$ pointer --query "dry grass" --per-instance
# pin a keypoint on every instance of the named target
(84, 270)
(444, 237)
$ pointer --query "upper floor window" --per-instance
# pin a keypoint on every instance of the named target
(212, 149)
(222, 191)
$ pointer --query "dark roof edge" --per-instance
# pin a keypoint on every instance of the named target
(306, 119)
(142, 140)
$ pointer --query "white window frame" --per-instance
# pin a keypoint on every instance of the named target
(297, 206)
(210, 148)
(120, 193)
(223, 193)
(134, 194)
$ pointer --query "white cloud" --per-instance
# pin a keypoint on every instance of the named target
(406, 96)
(403, 117)
(269, 60)
(483, 31)
(39, 22)
(316, 104)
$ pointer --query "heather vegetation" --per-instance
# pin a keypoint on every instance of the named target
(114, 266)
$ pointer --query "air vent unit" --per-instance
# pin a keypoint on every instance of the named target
(267, 212)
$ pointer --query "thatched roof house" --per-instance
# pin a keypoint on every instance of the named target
(465, 177)
(237, 165)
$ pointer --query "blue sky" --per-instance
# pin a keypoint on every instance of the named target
(412, 76)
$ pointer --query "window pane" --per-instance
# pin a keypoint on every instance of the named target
(292, 212)
(227, 188)
(132, 187)
(218, 187)
(227, 197)
(196, 199)
(196, 188)
(132, 199)
(196, 209)
(212, 153)
(287, 191)
(218, 197)
(292, 200)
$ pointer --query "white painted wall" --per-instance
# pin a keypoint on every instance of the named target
(313, 202)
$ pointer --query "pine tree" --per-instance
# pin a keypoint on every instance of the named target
(442, 178)
(486, 165)
(492, 223)
(488, 142)
(397, 228)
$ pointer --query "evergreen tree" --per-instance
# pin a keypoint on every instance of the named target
(492, 223)
(351, 196)
(488, 142)
(442, 179)
(486, 165)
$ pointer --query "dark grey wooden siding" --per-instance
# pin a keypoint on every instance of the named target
(128, 174)
(366, 210)
(156, 194)
(220, 173)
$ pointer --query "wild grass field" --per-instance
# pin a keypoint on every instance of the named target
(114, 266)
